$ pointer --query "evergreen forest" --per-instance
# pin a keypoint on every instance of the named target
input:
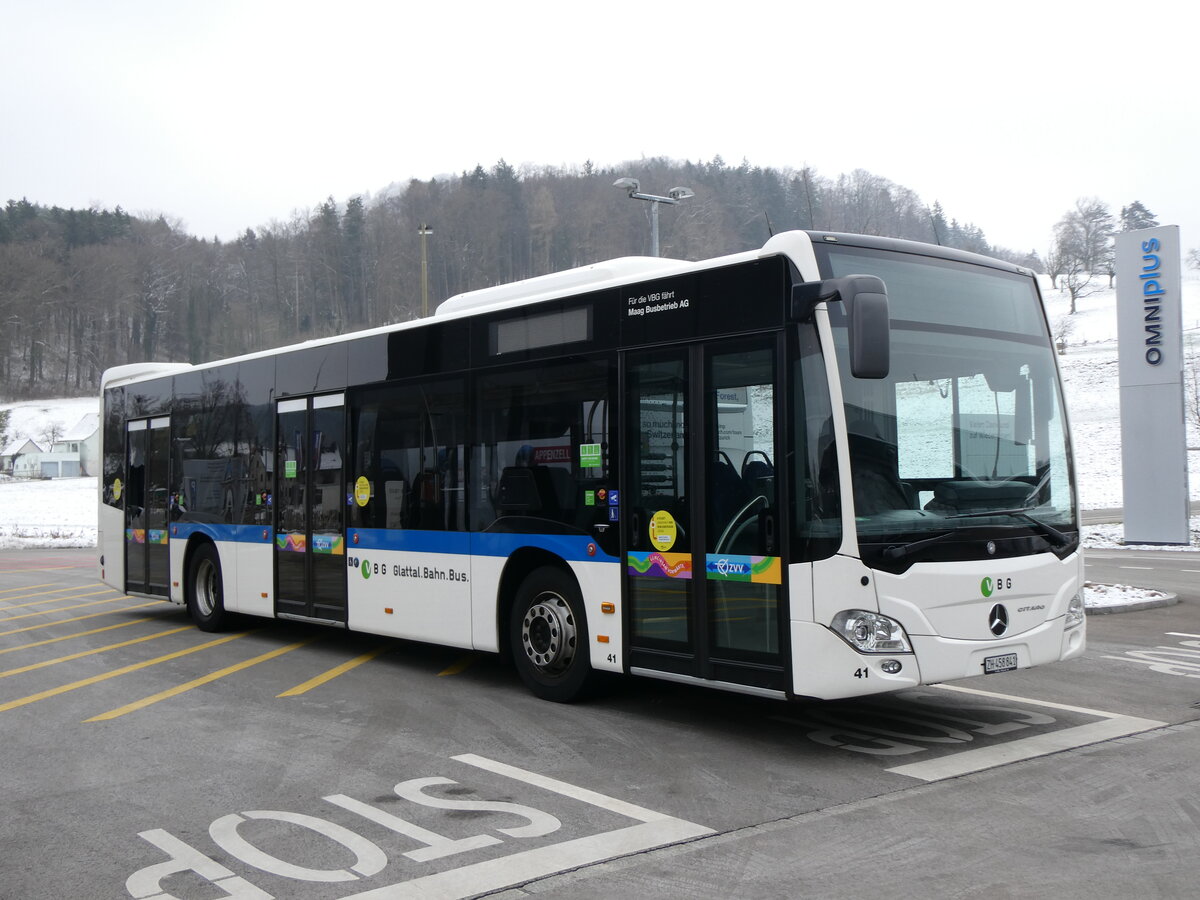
(85, 289)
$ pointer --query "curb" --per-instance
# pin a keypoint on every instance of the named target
(1155, 603)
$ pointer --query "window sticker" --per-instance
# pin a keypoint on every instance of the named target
(663, 531)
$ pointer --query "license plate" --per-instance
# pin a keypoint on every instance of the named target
(1005, 663)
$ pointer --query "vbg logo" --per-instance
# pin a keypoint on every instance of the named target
(989, 586)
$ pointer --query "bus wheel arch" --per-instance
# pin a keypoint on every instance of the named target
(203, 586)
(546, 628)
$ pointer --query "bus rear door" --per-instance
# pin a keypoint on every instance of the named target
(147, 505)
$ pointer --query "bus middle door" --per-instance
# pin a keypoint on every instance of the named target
(310, 508)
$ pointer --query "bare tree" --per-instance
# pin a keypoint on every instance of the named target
(1083, 242)
(52, 433)
(1060, 330)
(1054, 263)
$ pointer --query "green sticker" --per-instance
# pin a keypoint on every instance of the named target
(289, 469)
(589, 498)
(589, 456)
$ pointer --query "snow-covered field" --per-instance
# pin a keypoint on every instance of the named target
(1090, 377)
(59, 513)
(62, 513)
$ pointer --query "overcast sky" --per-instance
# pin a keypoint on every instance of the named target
(225, 115)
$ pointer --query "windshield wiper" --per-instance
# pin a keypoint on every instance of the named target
(1056, 538)
(900, 551)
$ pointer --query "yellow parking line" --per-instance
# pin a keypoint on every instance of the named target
(67, 637)
(461, 666)
(43, 569)
(107, 612)
(53, 599)
(28, 587)
(195, 683)
(318, 680)
(82, 653)
(104, 676)
(47, 612)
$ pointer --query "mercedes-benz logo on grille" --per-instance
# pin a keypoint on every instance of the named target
(998, 620)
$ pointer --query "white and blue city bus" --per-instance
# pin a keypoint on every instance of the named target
(835, 466)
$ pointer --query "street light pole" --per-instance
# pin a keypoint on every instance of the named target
(423, 231)
(633, 187)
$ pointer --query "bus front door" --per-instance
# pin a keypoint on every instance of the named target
(147, 506)
(701, 513)
(310, 508)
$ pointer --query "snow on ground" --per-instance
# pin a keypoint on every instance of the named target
(1110, 597)
(59, 513)
(62, 513)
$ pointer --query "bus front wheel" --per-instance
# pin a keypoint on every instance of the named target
(205, 589)
(548, 635)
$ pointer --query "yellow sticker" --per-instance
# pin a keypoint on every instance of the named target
(362, 491)
(117, 488)
(663, 530)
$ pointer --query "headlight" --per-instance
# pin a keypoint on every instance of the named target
(869, 632)
(1075, 611)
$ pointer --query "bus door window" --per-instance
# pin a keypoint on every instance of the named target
(656, 506)
(327, 443)
(291, 507)
(743, 565)
(147, 506)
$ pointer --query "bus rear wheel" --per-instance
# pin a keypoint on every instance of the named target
(205, 589)
(548, 636)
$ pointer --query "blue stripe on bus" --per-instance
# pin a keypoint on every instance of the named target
(568, 546)
(573, 547)
(242, 534)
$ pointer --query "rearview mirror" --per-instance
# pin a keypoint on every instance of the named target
(866, 302)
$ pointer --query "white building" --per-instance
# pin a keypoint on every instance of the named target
(75, 453)
(22, 458)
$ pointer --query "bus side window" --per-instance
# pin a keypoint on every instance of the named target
(410, 439)
(539, 431)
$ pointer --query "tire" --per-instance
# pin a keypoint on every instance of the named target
(205, 590)
(548, 636)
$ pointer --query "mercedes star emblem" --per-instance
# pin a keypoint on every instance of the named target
(998, 620)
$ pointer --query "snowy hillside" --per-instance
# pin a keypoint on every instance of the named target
(31, 418)
(63, 513)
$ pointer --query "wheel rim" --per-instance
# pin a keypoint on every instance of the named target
(548, 634)
(206, 587)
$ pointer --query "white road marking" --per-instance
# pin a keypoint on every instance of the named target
(654, 830)
(1113, 725)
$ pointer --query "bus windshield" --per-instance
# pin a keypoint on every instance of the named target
(962, 451)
